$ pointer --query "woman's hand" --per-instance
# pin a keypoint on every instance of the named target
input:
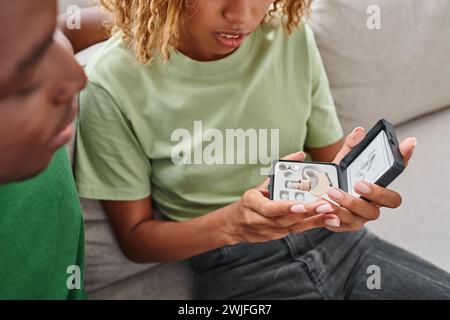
(355, 212)
(255, 218)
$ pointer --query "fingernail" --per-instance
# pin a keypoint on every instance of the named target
(332, 222)
(324, 208)
(298, 208)
(360, 129)
(361, 187)
(335, 194)
(414, 141)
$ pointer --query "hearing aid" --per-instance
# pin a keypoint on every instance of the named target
(376, 159)
(304, 185)
(322, 181)
(317, 188)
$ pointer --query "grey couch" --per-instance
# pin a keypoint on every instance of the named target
(400, 72)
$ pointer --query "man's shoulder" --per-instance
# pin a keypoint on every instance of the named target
(54, 181)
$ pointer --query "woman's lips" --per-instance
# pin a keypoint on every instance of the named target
(230, 40)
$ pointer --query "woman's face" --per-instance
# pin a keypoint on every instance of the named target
(218, 27)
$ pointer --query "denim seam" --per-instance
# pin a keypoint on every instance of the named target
(313, 278)
(307, 268)
(225, 251)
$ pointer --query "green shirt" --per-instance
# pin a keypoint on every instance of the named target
(41, 235)
(227, 119)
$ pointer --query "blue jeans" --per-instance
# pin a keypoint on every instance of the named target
(317, 264)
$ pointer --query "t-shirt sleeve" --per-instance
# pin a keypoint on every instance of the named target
(323, 126)
(110, 162)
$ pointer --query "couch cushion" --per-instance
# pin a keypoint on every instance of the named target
(422, 223)
(171, 281)
(398, 72)
(108, 272)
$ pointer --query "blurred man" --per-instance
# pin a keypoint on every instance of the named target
(41, 228)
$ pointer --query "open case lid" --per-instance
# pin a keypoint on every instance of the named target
(377, 159)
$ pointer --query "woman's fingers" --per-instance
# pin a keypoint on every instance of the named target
(325, 220)
(357, 206)
(298, 156)
(267, 231)
(351, 141)
(295, 210)
(354, 212)
(254, 200)
(379, 196)
(407, 149)
(301, 211)
(350, 220)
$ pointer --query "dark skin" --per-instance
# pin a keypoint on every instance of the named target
(253, 218)
(92, 29)
(38, 82)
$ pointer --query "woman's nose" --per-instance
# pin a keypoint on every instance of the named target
(236, 12)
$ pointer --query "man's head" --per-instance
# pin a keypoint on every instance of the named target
(38, 81)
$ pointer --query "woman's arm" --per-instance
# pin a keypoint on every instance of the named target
(326, 154)
(253, 218)
(144, 239)
(92, 29)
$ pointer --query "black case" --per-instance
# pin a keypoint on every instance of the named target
(390, 175)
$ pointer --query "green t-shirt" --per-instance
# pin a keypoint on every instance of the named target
(195, 135)
(42, 236)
